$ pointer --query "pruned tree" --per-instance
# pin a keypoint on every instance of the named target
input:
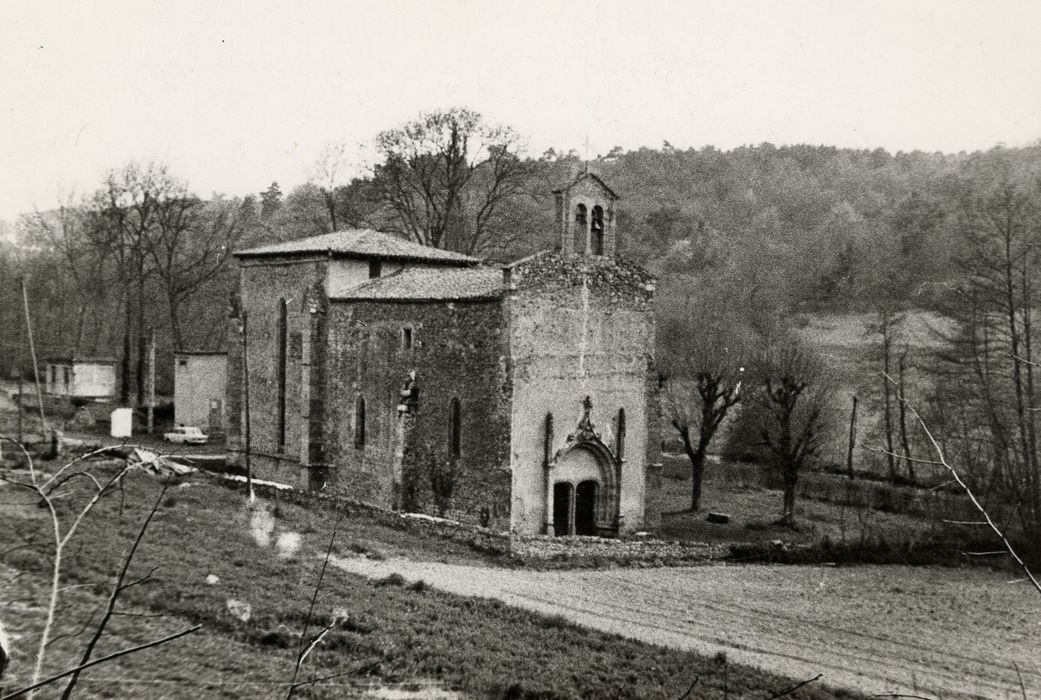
(444, 176)
(704, 350)
(795, 401)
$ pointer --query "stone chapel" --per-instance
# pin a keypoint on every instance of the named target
(522, 397)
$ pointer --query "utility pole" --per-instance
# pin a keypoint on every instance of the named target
(32, 352)
(19, 363)
(151, 380)
(852, 439)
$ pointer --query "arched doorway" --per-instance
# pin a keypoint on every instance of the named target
(585, 507)
(583, 489)
(562, 492)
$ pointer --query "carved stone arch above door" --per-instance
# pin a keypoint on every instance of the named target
(584, 460)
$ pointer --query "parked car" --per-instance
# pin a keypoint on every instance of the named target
(187, 434)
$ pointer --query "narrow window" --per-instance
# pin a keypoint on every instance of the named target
(454, 428)
(406, 338)
(66, 375)
(359, 422)
(280, 373)
(620, 435)
(596, 230)
(580, 214)
(375, 269)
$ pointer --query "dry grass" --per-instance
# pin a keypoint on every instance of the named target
(753, 510)
(217, 560)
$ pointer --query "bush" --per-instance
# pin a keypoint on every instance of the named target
(394, 579)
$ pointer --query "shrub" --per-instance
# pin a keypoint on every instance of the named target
(394, 579)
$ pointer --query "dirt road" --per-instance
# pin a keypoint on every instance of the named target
(928, 631)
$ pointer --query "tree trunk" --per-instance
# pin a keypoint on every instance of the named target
(81, 318)
(124, 363)
(697, 467)
(1014, 343)
(852, 439)
(788, 517)
(887, 405)
(1033, 480)
(697, 476)
(902, 399)
(141, 340)
(175, 322)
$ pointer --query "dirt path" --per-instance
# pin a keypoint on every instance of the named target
(930, 631)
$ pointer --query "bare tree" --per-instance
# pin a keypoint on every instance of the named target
(121, 223)
(796, 401)
(192, 244)
(983, 376)
(61, 232)
(704, 350)
(445, 175)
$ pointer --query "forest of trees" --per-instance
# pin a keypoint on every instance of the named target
(744, 240)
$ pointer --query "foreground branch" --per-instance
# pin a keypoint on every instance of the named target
(100, 660)
(972, 497)
(117, 588)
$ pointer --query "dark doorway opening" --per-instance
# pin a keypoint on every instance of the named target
(562, 508)
(585, 508)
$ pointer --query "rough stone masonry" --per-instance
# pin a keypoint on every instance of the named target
(523, 398)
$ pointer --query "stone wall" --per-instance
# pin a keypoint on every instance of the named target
(581, 327)
(263, 283)
(458, 351)
(535, 550)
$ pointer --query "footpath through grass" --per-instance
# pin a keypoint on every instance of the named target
(248, 575)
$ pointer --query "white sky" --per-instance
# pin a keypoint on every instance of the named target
(232, 95)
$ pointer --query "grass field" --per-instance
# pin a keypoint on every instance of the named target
(850, 351)
(266, 561)
(825, 531)
(754, 509)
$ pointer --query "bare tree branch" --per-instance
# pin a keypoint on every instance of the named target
(794, 688)
(117, 588)
(99, 660)
(986, 516)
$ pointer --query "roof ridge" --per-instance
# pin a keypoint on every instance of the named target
(358, 242)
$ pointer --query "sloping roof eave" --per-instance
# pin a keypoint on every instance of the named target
(359, 244)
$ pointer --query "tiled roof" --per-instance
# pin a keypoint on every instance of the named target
(362, 243)
(431, 284)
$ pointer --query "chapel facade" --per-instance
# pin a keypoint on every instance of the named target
(521, 397)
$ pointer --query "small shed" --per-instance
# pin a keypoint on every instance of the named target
(199, 384)
(82, 377)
